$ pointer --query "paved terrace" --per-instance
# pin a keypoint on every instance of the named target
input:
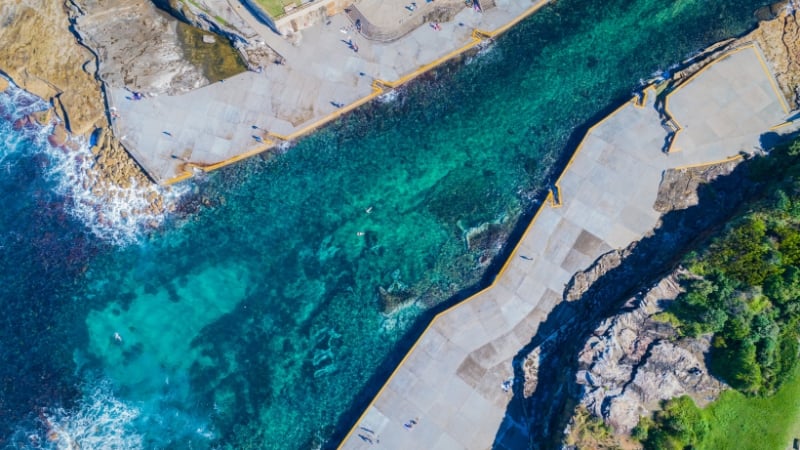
(321, 79)
(450, 382)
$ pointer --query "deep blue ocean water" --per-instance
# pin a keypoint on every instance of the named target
(264, 313)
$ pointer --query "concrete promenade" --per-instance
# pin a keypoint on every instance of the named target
(451, 381)
(322, 78)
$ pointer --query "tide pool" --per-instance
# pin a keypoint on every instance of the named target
(263, 315)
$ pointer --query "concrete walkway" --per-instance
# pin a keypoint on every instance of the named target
(322, 77)
(451, 382)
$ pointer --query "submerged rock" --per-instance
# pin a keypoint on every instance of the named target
(487, 236)
(59, 136)
(393, 299)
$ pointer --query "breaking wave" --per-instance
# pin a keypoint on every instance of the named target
(119, 215)
(101, 422)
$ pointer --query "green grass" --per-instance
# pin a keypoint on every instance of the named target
(739, 422)
(275, 7)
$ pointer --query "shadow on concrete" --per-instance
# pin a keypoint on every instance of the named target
(537, 420)
(260, 15)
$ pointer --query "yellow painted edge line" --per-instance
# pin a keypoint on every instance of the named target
(515, 20)
(671, 148)
(182, 176)
(475, 40)
(476, 34)
(589, 131)
(711, 163)
(431, 324)
(771, 78)
(780, 125)
(376, 91)
(233, 159)
(549, 200)
(641, 104)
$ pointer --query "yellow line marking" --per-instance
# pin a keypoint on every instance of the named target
(641, 102)
(780, 125)
(378, 88)
(550, 199)
(771, 78)
(711, 163)
(476, 35)
(756, 49)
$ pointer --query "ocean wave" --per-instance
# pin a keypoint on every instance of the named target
(116, 214)
(488, 53)
(101, 422)
(120, 215)
(389, 96)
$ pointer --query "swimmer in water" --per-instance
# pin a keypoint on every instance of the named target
(117, 337)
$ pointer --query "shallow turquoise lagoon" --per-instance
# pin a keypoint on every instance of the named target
(269, 311)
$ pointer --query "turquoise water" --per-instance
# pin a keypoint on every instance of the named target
(258, 317)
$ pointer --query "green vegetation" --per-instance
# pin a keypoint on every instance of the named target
(678, 425)
(744, 289)
(742, 422)
(734, 421)
(218, 60)
(589, 431)
(275, 8)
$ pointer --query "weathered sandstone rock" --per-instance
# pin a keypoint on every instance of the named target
(137, 45)
(632, 363)
(219, 17)
(779, 39)
(678, 187)
(42, 56)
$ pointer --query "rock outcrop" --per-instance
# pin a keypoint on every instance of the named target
(137, 45)
(678, 187)
(633, 362)
(42, 55)
(217, 16)
(779, 38)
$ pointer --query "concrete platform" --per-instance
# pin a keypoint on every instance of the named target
(322, 78)
(450, 383)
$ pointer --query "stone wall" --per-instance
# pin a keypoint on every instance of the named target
(310, 14)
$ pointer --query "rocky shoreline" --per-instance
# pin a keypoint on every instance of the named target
(68, 53)
(628, 360)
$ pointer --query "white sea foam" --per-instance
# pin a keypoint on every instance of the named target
(488, 53)
(400, 318)
(117, 215)
(389, 96)
(100, 422)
